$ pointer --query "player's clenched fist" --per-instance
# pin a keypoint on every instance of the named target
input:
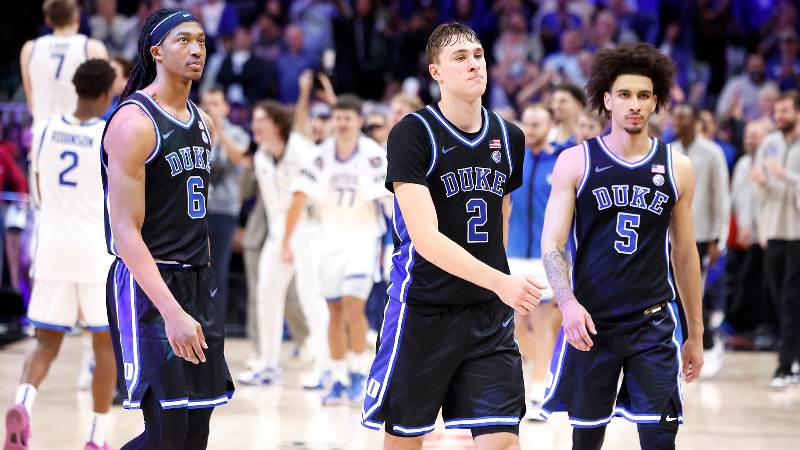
(521, 292)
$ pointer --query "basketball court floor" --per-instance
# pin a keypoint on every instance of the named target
(734, 411)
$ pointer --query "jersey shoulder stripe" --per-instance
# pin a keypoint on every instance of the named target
(505, 141)
(587, 165)
(434, 151)
(141, 106)
(672, 173)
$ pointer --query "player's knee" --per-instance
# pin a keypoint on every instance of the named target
(656, 437)
(49, 343)
(588, 438)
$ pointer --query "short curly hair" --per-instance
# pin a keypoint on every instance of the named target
(629, 59)
(93, 78)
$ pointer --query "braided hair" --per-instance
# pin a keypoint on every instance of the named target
(144, 72)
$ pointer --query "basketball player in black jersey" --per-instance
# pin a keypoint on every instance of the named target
(447, 340)
(626, 197)
(156, 154)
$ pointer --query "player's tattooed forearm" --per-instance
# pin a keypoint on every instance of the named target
(555, 265)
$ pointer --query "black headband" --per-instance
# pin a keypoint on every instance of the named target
(170, 22)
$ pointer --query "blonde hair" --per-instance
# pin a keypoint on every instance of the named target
(412, 102)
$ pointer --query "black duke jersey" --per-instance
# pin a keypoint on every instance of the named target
(176, 186)
(620, 235)
(468, 174)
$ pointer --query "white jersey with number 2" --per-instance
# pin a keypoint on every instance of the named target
(71, 235)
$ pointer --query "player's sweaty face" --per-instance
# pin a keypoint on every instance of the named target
(631, 102)
(463, 68)
(183, 50)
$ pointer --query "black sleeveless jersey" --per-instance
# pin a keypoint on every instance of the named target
(467, 174)
(176, 186)
(620, 236)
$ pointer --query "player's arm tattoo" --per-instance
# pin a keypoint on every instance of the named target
(555, 265)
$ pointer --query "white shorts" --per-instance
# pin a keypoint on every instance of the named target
(532, 267)
(54, 305)
(350, 271)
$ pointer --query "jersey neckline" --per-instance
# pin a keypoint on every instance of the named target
(185, 125)
(633, 165)
(456, 132)
(70, 119)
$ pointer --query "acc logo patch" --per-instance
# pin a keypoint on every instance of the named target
(376, 162)
(318, 162)
(205, 137)
(496, 156)
(658, 180)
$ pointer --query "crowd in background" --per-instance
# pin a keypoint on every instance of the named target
(735, 59)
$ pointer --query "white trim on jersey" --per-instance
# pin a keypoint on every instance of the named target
(587, 162)
(184, 125)
(505, 141)
(456, 134)
(434, 150)
(622, 163)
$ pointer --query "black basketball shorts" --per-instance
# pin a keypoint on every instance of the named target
(462, 359)
(145, 359)
(585, 383)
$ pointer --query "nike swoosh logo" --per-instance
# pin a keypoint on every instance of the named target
(186, 15)
(505, 324)
(659, 322)
(214, 292)
(598, 169)
(166, 135)
(671, 419)
(445, 151)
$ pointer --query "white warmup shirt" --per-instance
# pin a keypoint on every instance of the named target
(276, 180)
(347, 193)
(53, 62)
(71, 243)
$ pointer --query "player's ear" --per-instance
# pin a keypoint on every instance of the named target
(155, 52)
(655, 103)
(434, 71)
(607, 100)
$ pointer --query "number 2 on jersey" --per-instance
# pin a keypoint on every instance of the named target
(197, 202)
(74, 164)
(473, 235)
(625, 229)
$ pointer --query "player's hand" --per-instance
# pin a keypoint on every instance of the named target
(576, 322)
(757, 176)
(287, 255)
(185, 336)
(745, 237)
(713, 254)
(775, 168)
(692, 358)
(521, 292)
(306, 81)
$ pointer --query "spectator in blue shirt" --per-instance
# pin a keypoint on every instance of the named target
(292, 62)
(524, 247)
(785, 69)
(554, 24)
